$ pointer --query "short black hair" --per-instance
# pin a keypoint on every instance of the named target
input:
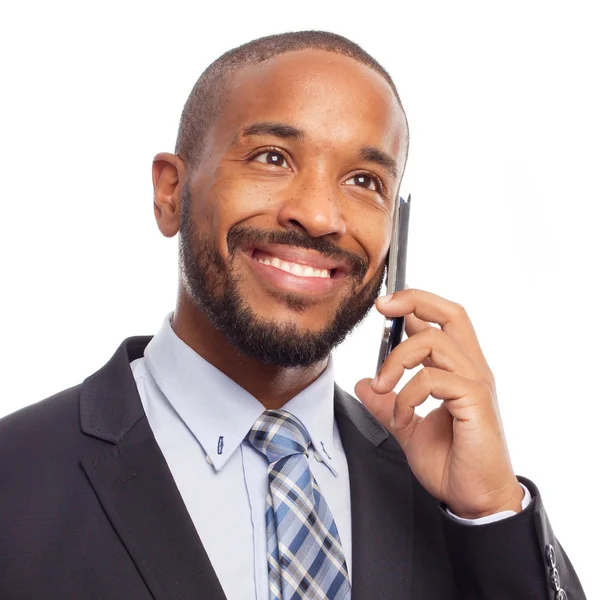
(208, 93)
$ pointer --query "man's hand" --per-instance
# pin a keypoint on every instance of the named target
(458, 451)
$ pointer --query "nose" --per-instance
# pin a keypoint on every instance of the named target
(315, 207)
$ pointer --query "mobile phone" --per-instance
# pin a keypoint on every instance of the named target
(396, 277)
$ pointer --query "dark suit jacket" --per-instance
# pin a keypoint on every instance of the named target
(89, 509)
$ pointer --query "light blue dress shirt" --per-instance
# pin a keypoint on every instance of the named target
(200, 418)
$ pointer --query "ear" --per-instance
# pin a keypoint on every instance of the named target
(168, 178)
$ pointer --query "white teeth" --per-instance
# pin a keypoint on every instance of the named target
(295, 269)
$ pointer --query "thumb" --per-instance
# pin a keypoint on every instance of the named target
(381, 406)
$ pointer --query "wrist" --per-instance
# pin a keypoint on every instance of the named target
(511, 501)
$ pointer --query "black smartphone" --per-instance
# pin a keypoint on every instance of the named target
(396, 277)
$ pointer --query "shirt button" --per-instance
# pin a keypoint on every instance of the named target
(554, 579)
(208, 460)
(561, 594)
(550, 555)
(318, 457)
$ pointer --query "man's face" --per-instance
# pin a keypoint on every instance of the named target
(286, 220)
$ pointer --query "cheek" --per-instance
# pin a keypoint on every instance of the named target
(229, 200)
(372, 231)
(243, 198)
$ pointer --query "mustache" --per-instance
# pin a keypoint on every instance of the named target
(240, 236)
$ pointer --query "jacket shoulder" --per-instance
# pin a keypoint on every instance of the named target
(38, 433)
(39, 415)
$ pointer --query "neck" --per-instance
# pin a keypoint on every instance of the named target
(271, 385)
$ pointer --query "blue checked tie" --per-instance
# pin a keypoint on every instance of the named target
(303, 545)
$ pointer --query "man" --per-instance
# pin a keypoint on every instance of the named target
(218, 459)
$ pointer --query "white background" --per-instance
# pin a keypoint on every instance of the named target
(503, 104)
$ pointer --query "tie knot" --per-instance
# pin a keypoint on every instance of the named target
(278, 434)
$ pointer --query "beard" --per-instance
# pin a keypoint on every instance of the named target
(217, 290)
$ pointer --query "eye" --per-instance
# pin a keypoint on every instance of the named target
(271, 157)
(368, 182)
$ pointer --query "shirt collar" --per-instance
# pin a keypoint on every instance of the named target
(313, 406)
(219, 412)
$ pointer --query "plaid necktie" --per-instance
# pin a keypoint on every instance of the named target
(303, 545)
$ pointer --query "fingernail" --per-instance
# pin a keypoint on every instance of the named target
(393, 421)
(374, 381)
(384, 299)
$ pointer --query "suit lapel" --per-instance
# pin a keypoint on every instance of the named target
(136, 489)
(381, 501)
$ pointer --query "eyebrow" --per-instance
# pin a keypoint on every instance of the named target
(280, 130)
(375, 155)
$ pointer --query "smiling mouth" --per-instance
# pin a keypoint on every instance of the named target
(294, 268)
(291, 267)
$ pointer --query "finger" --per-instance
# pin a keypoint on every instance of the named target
(450, 316)
(430, 344)
(413, 325)
(439, 432)
(463, 398)
(381, 406)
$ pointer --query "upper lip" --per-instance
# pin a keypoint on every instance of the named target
(302, 256)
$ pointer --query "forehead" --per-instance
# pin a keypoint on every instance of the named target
(334, 99)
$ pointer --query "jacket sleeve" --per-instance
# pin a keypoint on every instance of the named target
(517, 558)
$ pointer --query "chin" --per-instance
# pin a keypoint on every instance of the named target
(307, 318)
(290, 306)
